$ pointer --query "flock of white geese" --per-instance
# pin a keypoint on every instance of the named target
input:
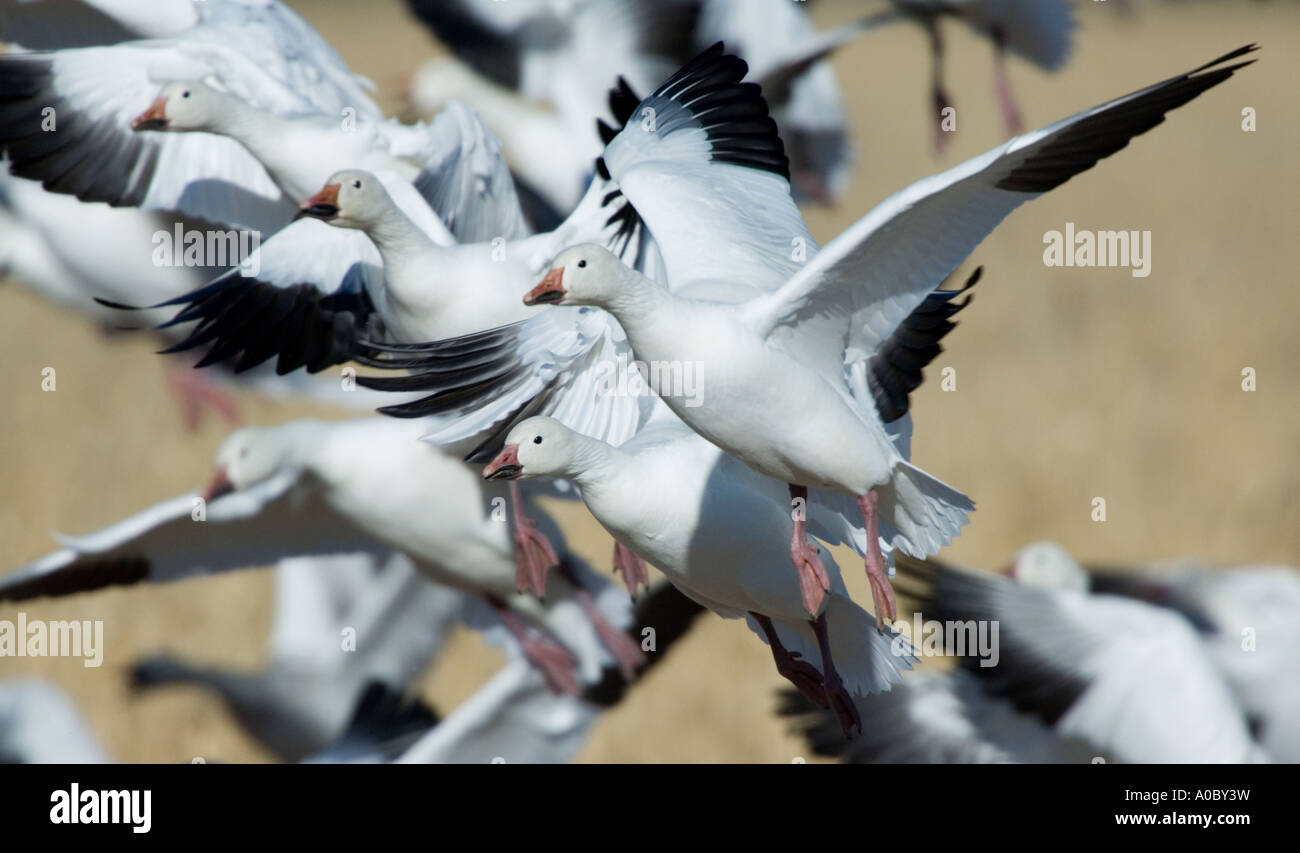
(510, 272)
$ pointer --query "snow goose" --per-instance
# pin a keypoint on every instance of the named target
(314, 488)
(712, 526)
(1130, 678)
(511, 78)
(538, 72)
(514, 717)
(260, 111)
(1247, 617)
(302, 701)
(782, 338)
(1037, 30)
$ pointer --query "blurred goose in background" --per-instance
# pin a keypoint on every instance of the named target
(538, 71)
(40, 725)
(316, 488)
(514, 718)
(528, 68)
(343, 628)
(1130, 679)
(257, 111)
(1040, 31)
(1247, 618)
(935, 718)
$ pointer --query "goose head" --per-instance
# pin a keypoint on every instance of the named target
(537, 447)
(184, 106)
(247, 457)
(583, 275)
(1047, 565)
(350, 199)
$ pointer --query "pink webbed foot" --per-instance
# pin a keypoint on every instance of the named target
(813, 579)
(1002, 83)
(632, 568)
(557, 666)
(534, 553)
(195, 392)
(882, 591)
(791, 666)
(627, 654)
(938, 95)
(1006, 100)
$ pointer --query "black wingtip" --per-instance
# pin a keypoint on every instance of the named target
(1078, 146)
(120, 306)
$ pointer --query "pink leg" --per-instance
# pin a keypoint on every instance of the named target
(800, 673)
(194, 391)
(882, 593)
(631, 567)
(813, 580)
(557, 666)
(627, 654)
(1006, 100)
(939, 97)
(846, 711)
(534, 554)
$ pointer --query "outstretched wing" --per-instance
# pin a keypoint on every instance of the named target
(876, 272)
(166, 543)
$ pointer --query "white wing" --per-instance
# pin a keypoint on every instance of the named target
(398, 617)
(702, 164)
(86, 147)
(513, 718)
(306, 297)
(40, 725)
(875, 273)
(259, 52)
(573, 364)
(464, 178)
(165, 543)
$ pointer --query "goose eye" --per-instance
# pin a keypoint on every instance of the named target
(581, 264)
(537, 439)
(356, 185)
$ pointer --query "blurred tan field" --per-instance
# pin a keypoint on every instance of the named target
(1071, 383)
